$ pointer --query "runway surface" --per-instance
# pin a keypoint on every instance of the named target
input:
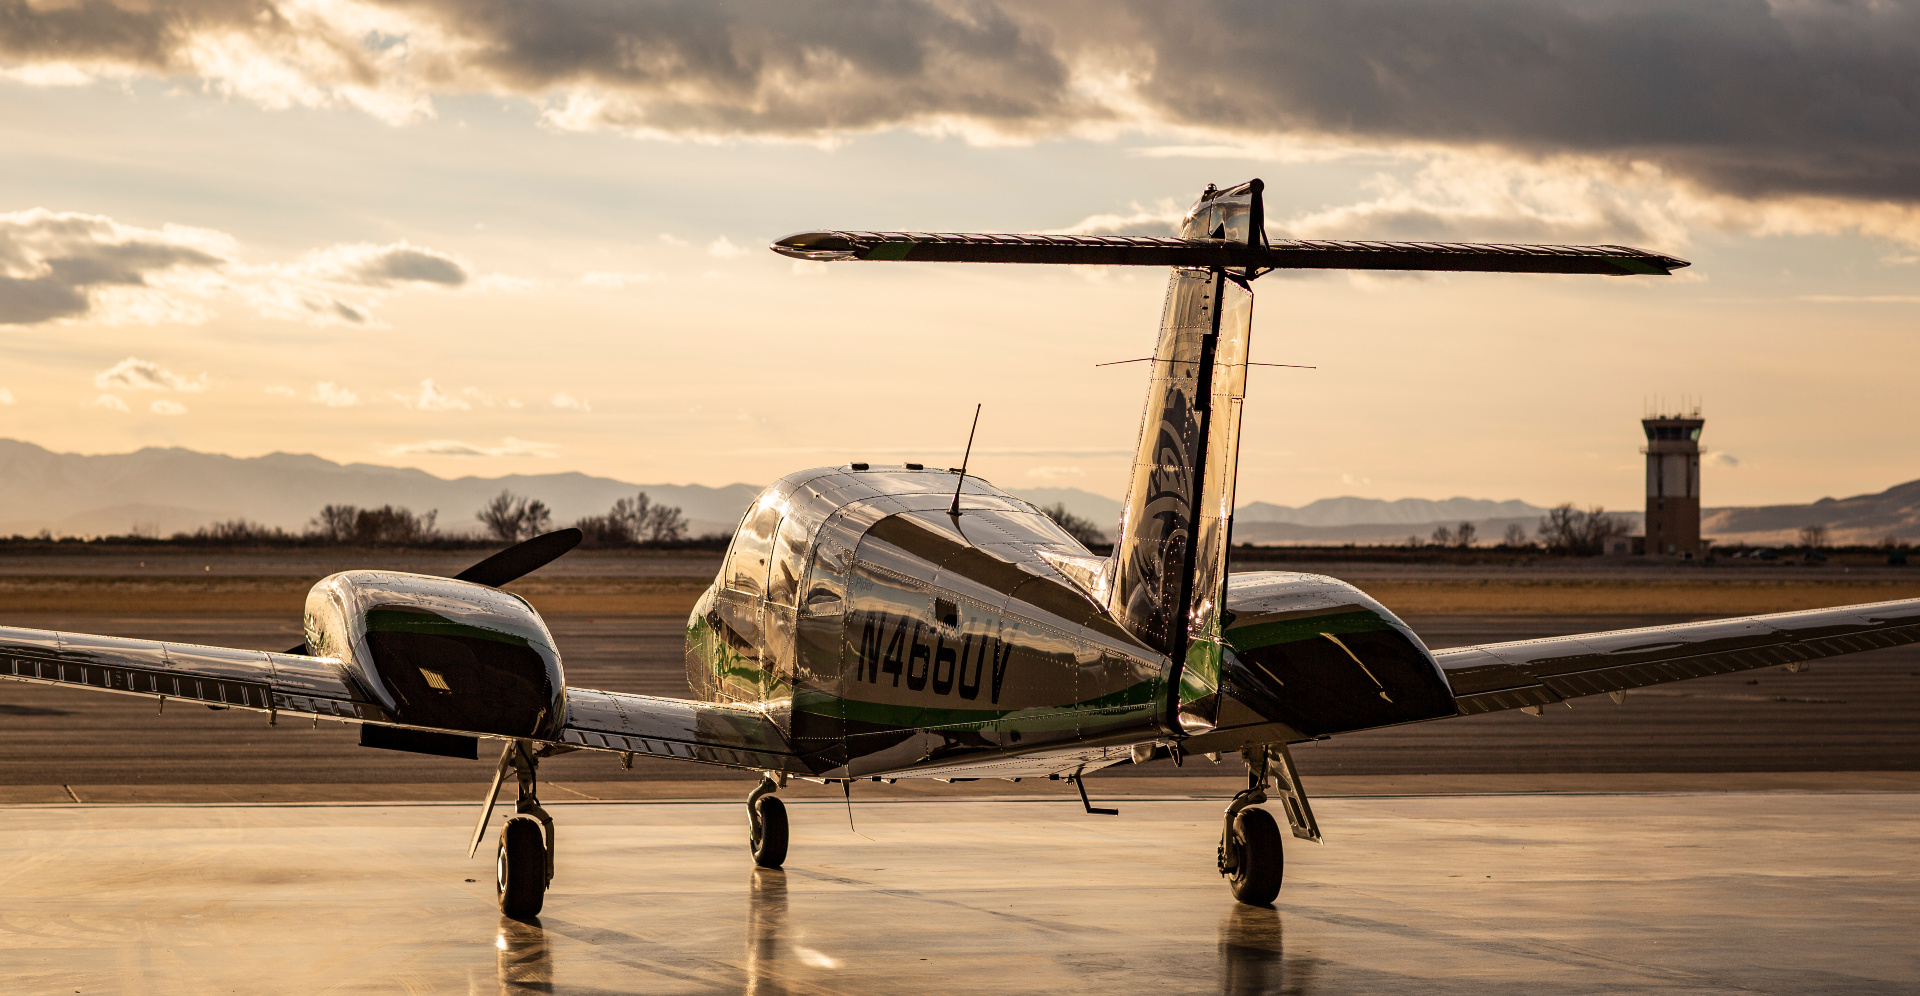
(1533, 896)
(1854, 713)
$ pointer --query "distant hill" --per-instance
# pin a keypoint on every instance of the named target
(1102, 511)
(1862, 519)
(160, 491)
(163, 491)
(1349, 511)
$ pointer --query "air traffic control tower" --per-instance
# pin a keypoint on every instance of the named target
(1673, 484)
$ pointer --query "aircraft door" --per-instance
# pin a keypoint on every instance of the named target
(818, 725)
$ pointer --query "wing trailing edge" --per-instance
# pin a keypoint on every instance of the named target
(1532, 673)
(1259, 257)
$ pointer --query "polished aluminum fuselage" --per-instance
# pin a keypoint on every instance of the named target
(886, 634)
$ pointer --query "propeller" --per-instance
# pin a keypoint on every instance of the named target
(513, 563)
(521, 559)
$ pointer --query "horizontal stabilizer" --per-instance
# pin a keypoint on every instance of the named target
(1090, 250)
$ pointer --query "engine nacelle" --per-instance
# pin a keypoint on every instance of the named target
(440, 653)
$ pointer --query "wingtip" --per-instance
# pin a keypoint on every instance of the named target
(817, 246)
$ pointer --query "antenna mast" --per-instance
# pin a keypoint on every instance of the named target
(964, 457)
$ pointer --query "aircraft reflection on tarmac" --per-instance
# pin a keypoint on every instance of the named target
(522, 958)
(1251, 956)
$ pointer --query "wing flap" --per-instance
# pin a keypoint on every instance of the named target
(1498, 676)
(708, 732)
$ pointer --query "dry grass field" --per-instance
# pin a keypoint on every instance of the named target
(674, 596)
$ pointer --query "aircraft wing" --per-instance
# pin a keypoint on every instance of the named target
(1532, 673)
(216, 676)
(709, 732)
(1094, 250)
(259, 681)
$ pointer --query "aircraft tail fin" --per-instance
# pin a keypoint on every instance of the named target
(1169, 562)
(1166, 580)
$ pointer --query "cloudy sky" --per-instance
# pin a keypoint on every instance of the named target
(488, 237)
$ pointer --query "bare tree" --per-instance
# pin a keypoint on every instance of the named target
(511, 518)
(1566, 529)
(1079, 528)
(648, 522)
(388, 525)
(1813, 537)
(634, 521)
(1466, 533)
(235, 532)
(334, 524)
(1516, 535)
(1442, 536)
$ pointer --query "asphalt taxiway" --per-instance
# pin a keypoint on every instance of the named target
(1774, 892)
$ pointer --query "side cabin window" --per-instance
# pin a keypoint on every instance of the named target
(752, 548)
(790, 559)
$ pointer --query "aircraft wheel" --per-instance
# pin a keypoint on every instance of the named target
(521, 868)
(1259, 860)
(769, 845)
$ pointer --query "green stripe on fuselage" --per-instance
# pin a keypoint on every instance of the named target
(913, 717)
(1305, 628)
(428, 624)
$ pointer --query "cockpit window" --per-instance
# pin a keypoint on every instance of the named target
(752, 546)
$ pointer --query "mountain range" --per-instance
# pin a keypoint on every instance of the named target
(160, 491)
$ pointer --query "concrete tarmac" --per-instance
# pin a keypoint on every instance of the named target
(1790, 892)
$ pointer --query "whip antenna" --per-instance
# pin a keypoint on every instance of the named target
(964, 457)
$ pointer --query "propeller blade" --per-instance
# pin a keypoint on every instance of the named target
(486, 808)
(516, 561)
(521, 559)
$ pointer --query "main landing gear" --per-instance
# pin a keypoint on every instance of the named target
(523, 865)
(767, 823)
(1251, 858)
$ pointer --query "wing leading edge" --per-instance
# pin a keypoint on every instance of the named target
(1530, 673)
(259, 681)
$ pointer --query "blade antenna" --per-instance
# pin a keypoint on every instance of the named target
(968, 455)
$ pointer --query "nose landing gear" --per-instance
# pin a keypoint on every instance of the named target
(523, 865)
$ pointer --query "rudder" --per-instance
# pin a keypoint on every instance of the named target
(1169, 562)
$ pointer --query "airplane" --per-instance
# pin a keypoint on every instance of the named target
(887, 622)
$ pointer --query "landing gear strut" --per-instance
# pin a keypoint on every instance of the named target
(1251, 857)
(523, 865)
(767, 823)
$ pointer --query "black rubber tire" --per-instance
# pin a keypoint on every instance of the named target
(521, 868)
(1260, 861)
(769, 846)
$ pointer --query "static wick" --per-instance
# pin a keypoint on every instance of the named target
(955, 510)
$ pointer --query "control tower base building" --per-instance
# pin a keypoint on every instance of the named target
(1673, 484)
